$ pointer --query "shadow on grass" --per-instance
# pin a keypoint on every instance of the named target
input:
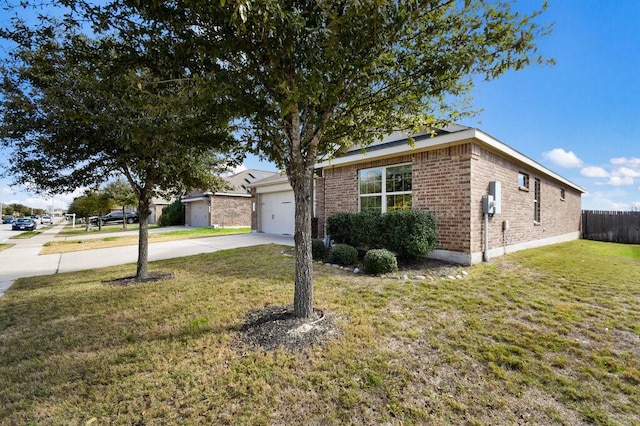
(82, 311)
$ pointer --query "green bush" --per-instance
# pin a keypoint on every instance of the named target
(339, 228)
(173, 214)
(380, 261)
(318, 249)
(343, 254)
(410, 233)
(367, 230)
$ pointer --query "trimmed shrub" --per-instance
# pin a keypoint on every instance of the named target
(318, 249)
(173, 214)
(343, 254)
(410, 233)
(380, 261)
(367, 230)
(339, 227)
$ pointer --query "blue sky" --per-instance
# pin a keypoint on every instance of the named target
(580, 118)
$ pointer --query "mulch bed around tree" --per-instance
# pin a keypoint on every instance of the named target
(275, 327)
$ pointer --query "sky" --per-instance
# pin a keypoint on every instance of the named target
(580, 118)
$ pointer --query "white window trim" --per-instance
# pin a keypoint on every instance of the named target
(384, 192)
(526, 180)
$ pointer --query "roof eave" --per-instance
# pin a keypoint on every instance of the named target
(443, 140)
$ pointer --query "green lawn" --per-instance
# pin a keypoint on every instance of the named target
(543, 336)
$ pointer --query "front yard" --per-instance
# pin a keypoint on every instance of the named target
(543, 336)
(91, 241)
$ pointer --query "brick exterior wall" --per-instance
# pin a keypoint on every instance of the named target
(449, 182)
(441, 186)
(229, 211)
(557, 216)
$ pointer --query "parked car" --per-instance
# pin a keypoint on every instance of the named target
(45, 219)
(115, 217)
(24, 224)
(7, 219)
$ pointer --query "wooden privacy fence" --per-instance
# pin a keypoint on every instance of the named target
(612, 226)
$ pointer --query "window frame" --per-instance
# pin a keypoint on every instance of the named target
(525, 181)
(563, 194)
(537, 189)
(383, 194)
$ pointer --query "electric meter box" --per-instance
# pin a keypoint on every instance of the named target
(495, 190)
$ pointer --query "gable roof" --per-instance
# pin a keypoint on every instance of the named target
(240, 181)
(398, 144)
(275, 179)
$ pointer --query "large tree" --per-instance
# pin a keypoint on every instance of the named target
(310, 78)
(317, 76)
(80, 109)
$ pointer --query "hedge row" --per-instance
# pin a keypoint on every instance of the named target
(408, 233)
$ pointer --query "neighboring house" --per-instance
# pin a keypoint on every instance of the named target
(157, 204)
(230, 208)
(447, 174)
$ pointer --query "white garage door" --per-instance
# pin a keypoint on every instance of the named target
(199, 215)
(277, 213)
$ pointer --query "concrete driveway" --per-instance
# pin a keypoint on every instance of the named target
(23, 259)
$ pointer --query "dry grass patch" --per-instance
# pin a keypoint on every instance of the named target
(91, 242)
(5, 246)
(552, 338)
(25, 235)
(80, 229)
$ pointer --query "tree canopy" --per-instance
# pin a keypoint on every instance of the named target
(305, 79)
(314, 77)
(91, 203)
(81, 108)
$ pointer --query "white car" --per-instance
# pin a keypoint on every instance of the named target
(46, 219)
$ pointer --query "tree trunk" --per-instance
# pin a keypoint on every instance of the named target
(142, 270)
(124, 218)
(303, 293)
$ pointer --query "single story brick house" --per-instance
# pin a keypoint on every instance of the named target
(448, 174)
(230, 208)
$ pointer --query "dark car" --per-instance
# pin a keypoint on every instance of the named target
(7, 219)
(115, 217)
(24, 224)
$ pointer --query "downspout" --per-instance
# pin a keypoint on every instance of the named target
(487, 209)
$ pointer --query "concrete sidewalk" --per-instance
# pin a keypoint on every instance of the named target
(23, 259)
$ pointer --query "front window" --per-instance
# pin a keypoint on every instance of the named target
(385, 189)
